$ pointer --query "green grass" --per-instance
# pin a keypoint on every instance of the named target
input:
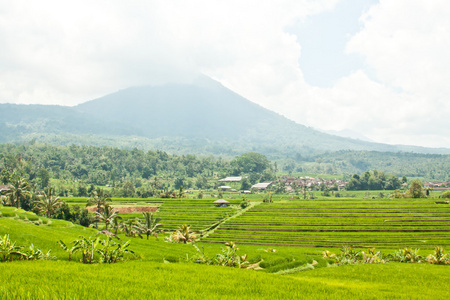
(386, 281)
(151, 278)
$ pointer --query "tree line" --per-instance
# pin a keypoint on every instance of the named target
(129, 173)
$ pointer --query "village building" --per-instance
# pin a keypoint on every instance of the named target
(231, 179)
(224, 188)
(261, 185)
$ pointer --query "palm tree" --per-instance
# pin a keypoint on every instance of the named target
(48, 203)
(129, 227)
(18, 190)
(99, 199)
(107, 215)
(150, 226)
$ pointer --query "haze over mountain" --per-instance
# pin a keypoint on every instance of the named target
(203, 117)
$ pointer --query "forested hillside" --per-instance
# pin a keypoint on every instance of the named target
(199, 118)
(39, 162)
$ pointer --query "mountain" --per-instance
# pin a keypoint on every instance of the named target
(348, 134)
(203, 117)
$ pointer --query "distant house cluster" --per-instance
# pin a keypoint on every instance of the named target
(311, 182)
(290, 183)
(437, 186)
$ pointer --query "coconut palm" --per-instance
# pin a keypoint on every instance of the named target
(150, 225)
(48, 202)
(106, 215)
(18, 190)
(99, 199)
(129, 227)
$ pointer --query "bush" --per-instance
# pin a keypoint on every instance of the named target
(445, 194)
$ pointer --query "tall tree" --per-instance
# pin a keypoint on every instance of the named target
(107, 215)
(19, 189)
(48, 202)
(150, 225)
(99, 199)
(415, 189)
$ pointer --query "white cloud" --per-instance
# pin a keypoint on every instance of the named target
(405, 44)
(69, 52)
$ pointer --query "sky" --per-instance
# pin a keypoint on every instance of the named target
(380, 68)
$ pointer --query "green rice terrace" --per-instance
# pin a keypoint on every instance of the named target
(360, 223)
(200, 214)
(377, 223)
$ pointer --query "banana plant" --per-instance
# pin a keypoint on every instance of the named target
(69, 250)
(9, 250)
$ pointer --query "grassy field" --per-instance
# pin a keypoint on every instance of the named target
(164, 270)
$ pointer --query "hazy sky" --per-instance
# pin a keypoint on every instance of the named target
(378, 67)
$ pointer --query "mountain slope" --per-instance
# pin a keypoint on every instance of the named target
(202, 116)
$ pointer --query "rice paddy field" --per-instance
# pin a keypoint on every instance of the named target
(298, 231)
(380, 223)
(200, 214)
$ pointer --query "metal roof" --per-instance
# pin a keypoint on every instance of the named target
(261, 185)
(231, 179)
(220, 201)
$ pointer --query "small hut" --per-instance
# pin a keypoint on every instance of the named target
(221, 203)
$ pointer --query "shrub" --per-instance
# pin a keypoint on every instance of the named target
(96, 250)
(407, 255)
(439, 257)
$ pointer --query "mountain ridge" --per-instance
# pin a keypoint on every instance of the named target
(204, 112)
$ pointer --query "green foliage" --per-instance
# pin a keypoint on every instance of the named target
(9, 250)
(350, 256)
(251, 162)
(415, 190)
(244, 203)
(182, 235)
(445, 194)
(19, 189)
(227, 257)
(408, 255)
(106, 215)
(438, 257)
(96, 250)
(48, 202)
(374, 180)
(98, 198)
(150, 225)
(245, 184)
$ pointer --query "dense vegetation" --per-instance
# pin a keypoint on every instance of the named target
(374, 181)
(129, 172)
